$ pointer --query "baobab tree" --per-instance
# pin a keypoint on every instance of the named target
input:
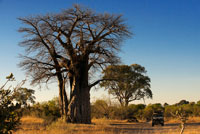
(71, 44)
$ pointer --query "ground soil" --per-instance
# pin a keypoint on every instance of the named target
(146, 128)
(37, 126)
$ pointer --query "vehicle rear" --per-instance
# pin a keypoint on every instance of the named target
(158, 118)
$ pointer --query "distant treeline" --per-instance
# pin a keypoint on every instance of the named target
(102, 109)
(105, 109)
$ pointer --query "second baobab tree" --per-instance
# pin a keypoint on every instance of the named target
(127, 83)
(66, 46)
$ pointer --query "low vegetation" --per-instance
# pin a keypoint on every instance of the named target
(107, 117)
(34, 125)
(44, 118)
(104, 109)
(12, 103)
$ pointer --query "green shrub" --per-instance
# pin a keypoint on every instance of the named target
(10, 113)
(49, 110)
(10, 105)
(101, 109)
(149, 110)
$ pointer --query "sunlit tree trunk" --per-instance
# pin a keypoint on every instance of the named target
(79, 107)
(60, 84)
(182, 128)
(63, 101)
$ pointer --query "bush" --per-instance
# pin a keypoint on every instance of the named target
(10, 105)
(49, 110)
(10, 113)
(135, 111)
(101, 109)
(149, 110)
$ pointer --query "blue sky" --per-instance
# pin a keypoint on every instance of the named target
(166, 41)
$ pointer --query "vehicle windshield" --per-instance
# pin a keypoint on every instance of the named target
(157, 115)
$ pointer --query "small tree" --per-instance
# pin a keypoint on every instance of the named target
(127, 83)
(10, 107)
(182, 115)
(9, 113)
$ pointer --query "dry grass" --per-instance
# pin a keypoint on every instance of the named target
(27, 119)
(194, 120)
(190, 120)
(32, 125)
(104, 121)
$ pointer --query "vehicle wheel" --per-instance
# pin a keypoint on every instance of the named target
(152, 124)
(162, 124)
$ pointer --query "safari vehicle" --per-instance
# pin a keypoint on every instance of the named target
(158, 118)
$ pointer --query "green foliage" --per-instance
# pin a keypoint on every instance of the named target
(182, 102)
(24, 96)
(127, 83)
(104, 109)
(9, 113)
(150, 109)
(198, 102)
(10, 106)
(100, 109)
(196, 110)
(182, 114)
(130, 112)
(189, 109)
(47, 110)
(135, 111)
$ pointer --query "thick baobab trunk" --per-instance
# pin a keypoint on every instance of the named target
(79, 107)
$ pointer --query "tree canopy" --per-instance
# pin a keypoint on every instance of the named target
(127, 83)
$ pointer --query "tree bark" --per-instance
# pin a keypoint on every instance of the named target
(182, 128)
(79, 107)
(63, 101)
(126, 102)
(60, 84)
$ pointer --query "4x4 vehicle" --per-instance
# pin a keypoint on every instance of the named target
(158, 118)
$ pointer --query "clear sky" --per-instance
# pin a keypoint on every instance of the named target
(166, 42)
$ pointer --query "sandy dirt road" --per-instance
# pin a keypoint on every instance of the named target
(146, 128)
